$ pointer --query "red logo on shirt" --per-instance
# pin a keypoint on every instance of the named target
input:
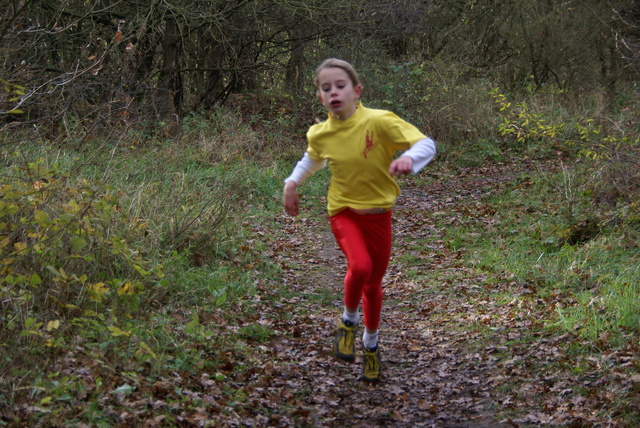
(368, 144)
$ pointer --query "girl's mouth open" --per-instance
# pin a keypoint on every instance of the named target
(335, 103)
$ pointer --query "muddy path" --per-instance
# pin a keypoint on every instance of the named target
(456, 352)
(432, 376)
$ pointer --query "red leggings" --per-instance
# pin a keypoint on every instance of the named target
(365, 239)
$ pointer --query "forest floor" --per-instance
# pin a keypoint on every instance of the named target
(459, 348)
(453, 354)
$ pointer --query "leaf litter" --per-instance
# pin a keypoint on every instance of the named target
(457, 359)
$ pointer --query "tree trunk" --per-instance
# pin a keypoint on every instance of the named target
(171, 75)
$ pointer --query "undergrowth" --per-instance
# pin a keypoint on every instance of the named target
(591, 281)
(124, 257)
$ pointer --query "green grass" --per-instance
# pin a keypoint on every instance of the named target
(596, 281)
(177, 212)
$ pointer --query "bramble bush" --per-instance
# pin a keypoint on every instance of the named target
(110, 252)
(86, 237)
(66, 250)
(602, 187)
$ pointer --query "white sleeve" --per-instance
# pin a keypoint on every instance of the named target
(304, 169)
(422, 152)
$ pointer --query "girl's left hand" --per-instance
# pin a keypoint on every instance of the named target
(401, 166)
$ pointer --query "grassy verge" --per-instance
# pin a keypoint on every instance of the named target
(497, 264)
(125, 270)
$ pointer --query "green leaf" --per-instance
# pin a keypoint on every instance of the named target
(123, 389)
(53, 271)
(116, 332)
(30, 322)
(220, 300)
(140, 270)
(41, 217)
(77, 243)
(146, 348)
(195, 321)
(35, 279)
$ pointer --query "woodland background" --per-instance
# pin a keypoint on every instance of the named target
(98, 63)
(143, 147)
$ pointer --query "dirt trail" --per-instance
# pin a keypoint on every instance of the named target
(453, 355)
(431, 377)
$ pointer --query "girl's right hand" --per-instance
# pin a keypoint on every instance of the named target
(290, 198)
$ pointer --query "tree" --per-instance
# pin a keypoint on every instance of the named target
(64, 61)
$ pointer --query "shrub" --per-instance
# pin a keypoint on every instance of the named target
(607, 171)
(66, 249)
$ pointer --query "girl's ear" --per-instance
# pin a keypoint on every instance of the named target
(358, 91)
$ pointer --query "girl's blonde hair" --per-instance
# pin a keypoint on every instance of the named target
(337, 63)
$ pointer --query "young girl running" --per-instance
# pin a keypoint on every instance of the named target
(358, 144)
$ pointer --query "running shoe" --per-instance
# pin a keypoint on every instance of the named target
(371, 365)
(345, 341)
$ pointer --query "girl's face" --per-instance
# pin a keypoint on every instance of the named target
(337, 93)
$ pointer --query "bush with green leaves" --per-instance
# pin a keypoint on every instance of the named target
(66, 249)
(607, 171)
